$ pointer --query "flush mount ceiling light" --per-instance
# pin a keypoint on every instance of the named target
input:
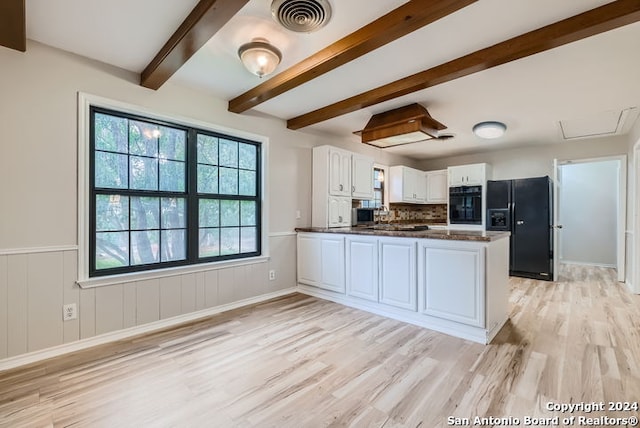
(404, 125)
(489, 130)
(260, 57)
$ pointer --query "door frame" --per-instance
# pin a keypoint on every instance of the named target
(621, 225)
(634, 275)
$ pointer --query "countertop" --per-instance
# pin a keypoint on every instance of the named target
(455, 235)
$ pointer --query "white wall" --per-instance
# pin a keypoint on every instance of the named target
(535, 161)
(38, 194)
(588, 210)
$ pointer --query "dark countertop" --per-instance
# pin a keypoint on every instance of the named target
(454, 235)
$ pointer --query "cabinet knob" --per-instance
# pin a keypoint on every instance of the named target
(340, 218)
(353, 188)
(520, 222)
(341, 187)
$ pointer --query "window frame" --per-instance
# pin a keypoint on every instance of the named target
(88, 275)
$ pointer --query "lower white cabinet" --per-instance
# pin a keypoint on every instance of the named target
(321, 261)
(452, 276)
(398, 272)
(362, 267)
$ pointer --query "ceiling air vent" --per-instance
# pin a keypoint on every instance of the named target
(302, 16)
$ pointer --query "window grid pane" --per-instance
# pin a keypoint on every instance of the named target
(145, 224)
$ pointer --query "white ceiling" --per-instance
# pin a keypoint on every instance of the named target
(531, 95)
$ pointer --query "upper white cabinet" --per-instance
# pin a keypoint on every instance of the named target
(361, 177)
(437, 187)
(469, 175)
(338, 174)
(407, 185)
(339, 171)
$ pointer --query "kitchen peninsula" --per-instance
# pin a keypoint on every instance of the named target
(451, 281)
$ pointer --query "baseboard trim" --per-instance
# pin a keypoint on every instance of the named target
(603, 265)
(56, 351)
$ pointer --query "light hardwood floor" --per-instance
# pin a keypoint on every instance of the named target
(299, 361)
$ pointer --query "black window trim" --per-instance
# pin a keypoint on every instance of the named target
(190, 194)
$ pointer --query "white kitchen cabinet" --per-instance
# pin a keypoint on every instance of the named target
(407, 185)
(339, 172)
(362, 267)
(437, 187)
(451, 280)
(321, 261)
(361, 177)
(398, 272)
(469, 175)
(339, 211)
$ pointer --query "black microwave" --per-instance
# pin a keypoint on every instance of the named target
(362, 216)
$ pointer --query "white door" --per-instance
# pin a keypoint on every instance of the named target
(556, 215)
(420, 183)
(339, 173)
(362, 267)
(408, 189)
(344, 211)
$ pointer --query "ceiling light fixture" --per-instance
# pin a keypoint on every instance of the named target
(404, 125)
(489, 130)
(260, 57)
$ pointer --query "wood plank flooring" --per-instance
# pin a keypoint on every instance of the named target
(299, 361)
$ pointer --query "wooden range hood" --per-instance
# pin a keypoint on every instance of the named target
(404, 125)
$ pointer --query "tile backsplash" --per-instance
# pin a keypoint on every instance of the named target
(413, 213)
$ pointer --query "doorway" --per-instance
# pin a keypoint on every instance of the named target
(591, 213)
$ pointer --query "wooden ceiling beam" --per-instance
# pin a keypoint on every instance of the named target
(205, 20)
(13, 28)
(399, 22)
(608, 17)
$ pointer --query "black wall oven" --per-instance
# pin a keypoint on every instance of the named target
(465, 205)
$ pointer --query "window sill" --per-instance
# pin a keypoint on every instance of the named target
(168, 272)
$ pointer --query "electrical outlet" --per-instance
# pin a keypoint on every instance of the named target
(272, 275)
(69, 312)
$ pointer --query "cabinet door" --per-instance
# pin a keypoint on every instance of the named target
(309, 256)
(332, 264)
(362, 267)
(398, 273)
(420, 186)
(344, 211)
(361, 177)
(456, 176)
(475, 174)
(339, 173)
(437, 188)
(339, 211)
(408, 185)
(451, 282)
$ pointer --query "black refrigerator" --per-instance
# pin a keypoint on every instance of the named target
(524, 207)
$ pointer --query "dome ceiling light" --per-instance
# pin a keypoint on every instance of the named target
(489, 130)
(260, 57)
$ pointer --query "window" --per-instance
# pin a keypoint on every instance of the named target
(378, 190)
(164, 194)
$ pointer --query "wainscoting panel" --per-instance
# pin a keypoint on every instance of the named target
(17, 303)
(34, 286)
(71, 294)
(109, 308)
(4, 299)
